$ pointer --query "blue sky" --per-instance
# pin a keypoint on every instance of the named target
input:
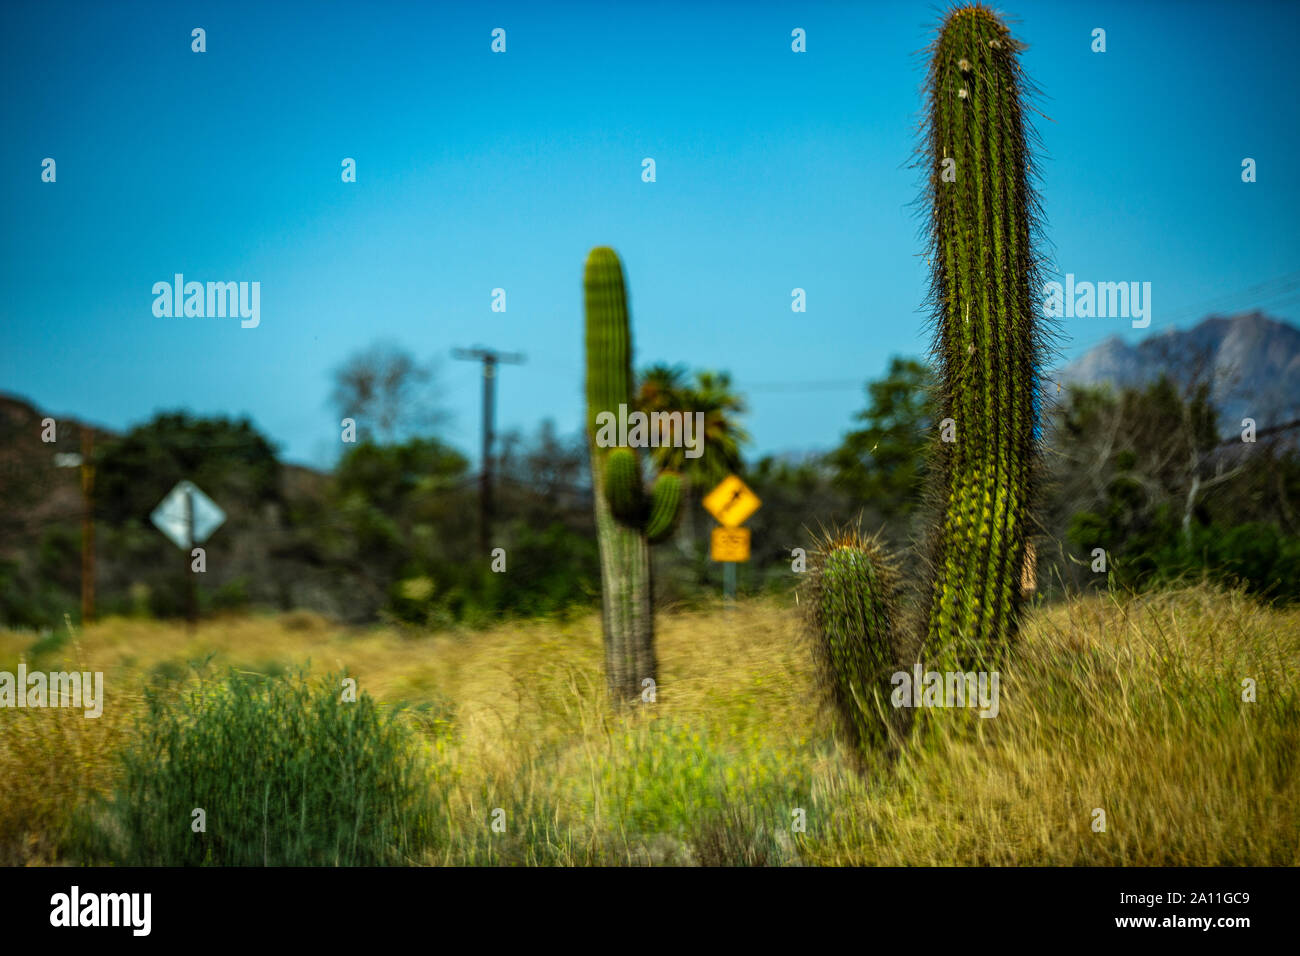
(476, 170)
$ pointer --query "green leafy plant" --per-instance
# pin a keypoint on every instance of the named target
(285, 772)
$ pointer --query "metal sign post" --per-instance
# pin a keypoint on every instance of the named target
(188, 517)
(191, 586)
(731, 502)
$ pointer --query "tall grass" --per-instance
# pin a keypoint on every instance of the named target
(50, 759)
(285, 772)
(1129, 705)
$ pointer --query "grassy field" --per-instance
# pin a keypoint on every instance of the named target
(1132, 706)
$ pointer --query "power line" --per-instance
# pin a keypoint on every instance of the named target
(1259, 294)
(830, 385)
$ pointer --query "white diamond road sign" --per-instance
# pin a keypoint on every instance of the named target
(186, 506)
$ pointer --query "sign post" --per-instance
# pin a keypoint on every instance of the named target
(85, 461)
(188, 517)
(731, 502)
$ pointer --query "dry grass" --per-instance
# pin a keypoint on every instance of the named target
(1130, 706)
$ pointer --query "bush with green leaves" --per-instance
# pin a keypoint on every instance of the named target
(286, 772)
(668, 787)
(1259, 557)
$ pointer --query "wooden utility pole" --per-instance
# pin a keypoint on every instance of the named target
(87, 525)
(490, 359)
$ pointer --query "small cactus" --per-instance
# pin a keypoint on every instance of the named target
(852, 603)
(628, 519)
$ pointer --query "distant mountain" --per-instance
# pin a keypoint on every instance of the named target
(1251, 360)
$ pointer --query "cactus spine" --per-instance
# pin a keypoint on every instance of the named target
(627, 519)
(987, 346)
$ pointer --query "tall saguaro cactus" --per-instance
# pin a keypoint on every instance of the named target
(988, 342)
(985, 290)
(628, 519)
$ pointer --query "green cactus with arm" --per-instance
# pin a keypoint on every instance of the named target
(628, 519)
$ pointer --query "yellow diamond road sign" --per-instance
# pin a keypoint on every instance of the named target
(730, 544)
(731, 502)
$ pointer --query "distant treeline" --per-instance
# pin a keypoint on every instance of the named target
(1138, 478)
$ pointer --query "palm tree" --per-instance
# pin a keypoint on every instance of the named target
(722, 407)
(665, 388)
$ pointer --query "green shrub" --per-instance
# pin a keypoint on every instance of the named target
(287, 773)
(1258, 557)
(671, 791)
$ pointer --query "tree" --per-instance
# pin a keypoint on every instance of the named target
(395, 513)
(1143, 474)
(389, 393)
(883, 464)
(229, 460)
(665, 388)
(544, 478)
(231, 463)
(713, 395)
